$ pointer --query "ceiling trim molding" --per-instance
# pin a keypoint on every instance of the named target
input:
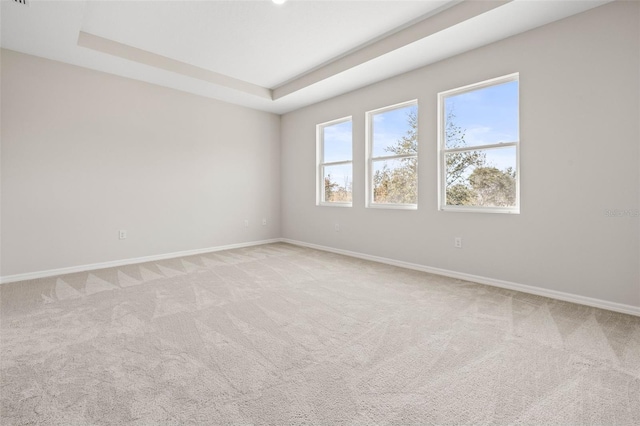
(431, 25)
(110, 47)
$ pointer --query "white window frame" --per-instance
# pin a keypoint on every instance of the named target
(320, 166)
(442, 150)
(371, 159)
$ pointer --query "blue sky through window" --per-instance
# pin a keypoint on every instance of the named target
(487, 116)
(338, 146)
(337, 142)
(389, 127)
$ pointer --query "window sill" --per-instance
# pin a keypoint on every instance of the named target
(393, 206)
(459, 209)
(324, 204)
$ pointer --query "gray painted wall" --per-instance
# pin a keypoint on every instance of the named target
(85, 154)
(579, 85)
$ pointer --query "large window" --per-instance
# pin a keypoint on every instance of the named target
(392, 156)
(335, 170)
(478, 147)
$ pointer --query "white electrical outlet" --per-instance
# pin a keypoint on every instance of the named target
(264, 221)
(246, 223)
(336, 227)
(457, 242)
(123, 234)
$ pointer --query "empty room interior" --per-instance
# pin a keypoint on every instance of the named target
(320, 212)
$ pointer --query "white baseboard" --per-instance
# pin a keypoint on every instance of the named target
(115, 263)
(552, 294)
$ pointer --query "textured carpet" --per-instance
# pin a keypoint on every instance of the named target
(278, 334)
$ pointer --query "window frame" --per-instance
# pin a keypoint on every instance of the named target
(443, 151)
(370, 203)
(320, 165)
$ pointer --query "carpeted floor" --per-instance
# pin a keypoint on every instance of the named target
(278, 334)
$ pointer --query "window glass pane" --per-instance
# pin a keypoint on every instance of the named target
(337, 182)
(337, 142)
(482, 117)
(484, 178)
(395, 132)
(395, 181)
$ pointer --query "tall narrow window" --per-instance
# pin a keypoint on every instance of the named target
(335, 170)
(392, 156)
(479, 147)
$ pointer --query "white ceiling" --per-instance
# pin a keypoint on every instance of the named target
(261, 55)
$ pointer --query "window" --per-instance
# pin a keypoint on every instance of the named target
(335, 171)
(392, 156)
(478, 147)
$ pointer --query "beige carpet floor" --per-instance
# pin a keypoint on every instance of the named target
(278, 334)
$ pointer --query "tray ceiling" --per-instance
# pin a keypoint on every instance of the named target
(271, 57)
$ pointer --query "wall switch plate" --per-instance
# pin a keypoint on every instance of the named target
(336, 227)
(264, 221)
(457, 242)
(123, 234)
